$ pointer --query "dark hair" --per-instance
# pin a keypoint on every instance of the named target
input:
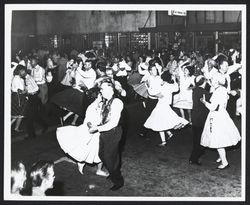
(157, 60)
(101, 65)
(20, 54)
(200, 81)
(191, 69)
(167, 77)
(143, 58)
(39, 171)
(78, 60)
(88, 61)
(230, 53)
(151, 63)
(18, 69)
(220, 59)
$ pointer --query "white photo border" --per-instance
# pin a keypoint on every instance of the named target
(155, 7)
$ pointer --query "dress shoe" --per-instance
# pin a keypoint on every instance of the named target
(163, 144)
(116, 187)
(195, 162)
(221, 167)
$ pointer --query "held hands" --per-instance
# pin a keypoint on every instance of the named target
(92, 128)
(203, 99)
(233, 92)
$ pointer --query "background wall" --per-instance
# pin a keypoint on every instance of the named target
(75, 22)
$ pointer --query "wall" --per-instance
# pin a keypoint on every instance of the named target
(23, 22)
(75, 22)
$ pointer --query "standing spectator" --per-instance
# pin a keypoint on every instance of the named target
(42, 177)
(172, 64)
(61, 67)
(33, 113)
(18, 97)
(199, 116)
(38, 73)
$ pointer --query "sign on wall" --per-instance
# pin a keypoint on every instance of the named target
(177, 12)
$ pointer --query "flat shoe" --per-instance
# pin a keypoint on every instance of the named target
(223, 167)
(218, 160)
(102, 173)
(162, 145)
(80, 167)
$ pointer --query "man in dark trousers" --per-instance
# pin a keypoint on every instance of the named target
(33, 113)
(199, 116)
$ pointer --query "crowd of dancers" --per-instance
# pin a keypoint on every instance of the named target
(176, 89)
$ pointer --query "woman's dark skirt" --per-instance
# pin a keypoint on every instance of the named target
(71, 99)
(18, 104)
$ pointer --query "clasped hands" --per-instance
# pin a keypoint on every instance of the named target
(93, 129)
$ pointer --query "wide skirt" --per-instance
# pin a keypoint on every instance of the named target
(79, 143)
(164, 118)
(219, 131)
(71, 99)
(183, 100)
(141, 89)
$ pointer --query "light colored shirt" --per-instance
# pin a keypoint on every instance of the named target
(114, 116)
(167, 90)
(155, 83)
(143, 68)
(17, 84)
(219, 97)
(171, 66)
(31, 85)
(122, 64)
(38, 73)
(87, 77)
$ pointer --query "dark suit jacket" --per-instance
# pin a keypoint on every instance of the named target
(199, 111)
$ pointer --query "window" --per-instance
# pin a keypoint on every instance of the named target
(139, 40)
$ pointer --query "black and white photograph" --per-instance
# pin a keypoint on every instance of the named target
(132, 102)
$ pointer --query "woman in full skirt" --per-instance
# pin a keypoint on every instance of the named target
(219, 131)
(79, 143)
(163, 118)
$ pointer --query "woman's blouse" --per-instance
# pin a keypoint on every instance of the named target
(17, 84)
